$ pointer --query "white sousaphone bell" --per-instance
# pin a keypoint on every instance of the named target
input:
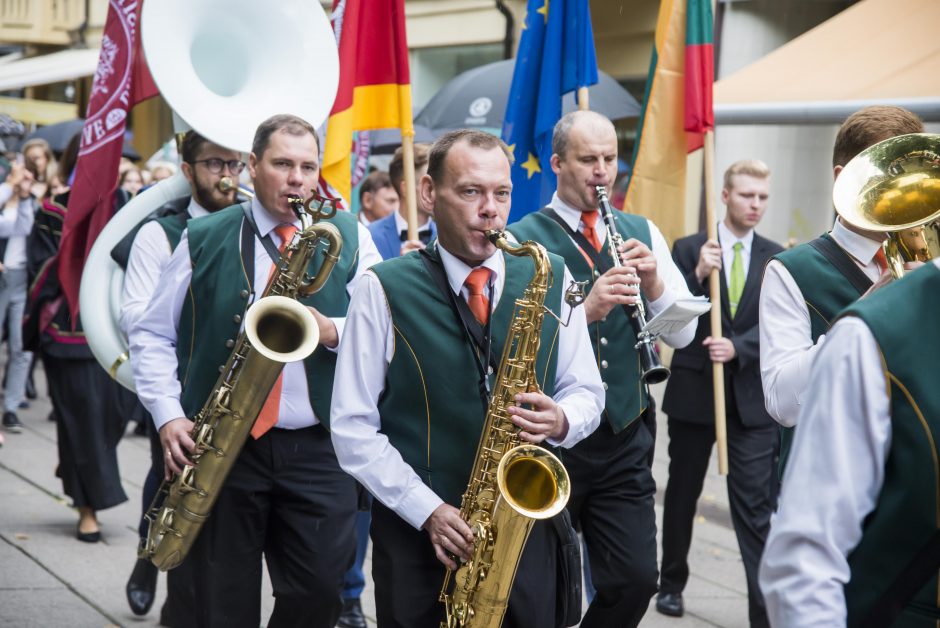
(223, 66)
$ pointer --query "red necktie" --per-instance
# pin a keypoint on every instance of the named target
(476, 299)
(268, 416)
(881, 260)
(590, 220)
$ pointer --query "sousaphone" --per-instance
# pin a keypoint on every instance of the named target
(223, 66)
(893, 187)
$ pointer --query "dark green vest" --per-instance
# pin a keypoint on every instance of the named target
(173, 227)
(431, 408)
(218, 299)
(612, 337)
(903, 319)
(826, 292)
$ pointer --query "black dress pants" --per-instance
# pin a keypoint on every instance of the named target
(751, 495)
(408, 576)
(612, 497)
(286, 497)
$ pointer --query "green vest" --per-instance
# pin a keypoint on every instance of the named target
(902, 318)
(826, 292)
(431, 408)
(218, 298)
(612, 337)
(173, 227)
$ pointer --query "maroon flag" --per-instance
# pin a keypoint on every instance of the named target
(121, 81)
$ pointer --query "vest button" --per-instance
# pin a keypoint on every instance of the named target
(489, 371)
(229, 343)
(605, 385)
(604, 320)
(603, 342)
(243, 294)
(603, 364)
(237, 318)
(597, 273)
(221, 368)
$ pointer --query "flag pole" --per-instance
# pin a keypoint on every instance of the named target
(718, 369)
(411, 197)
(583, 99)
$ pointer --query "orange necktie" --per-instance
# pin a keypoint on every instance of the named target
(881, 260)
(267, 418)
(590, 220)
(477, 301)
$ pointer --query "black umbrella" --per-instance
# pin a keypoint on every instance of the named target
(59, 134)
(385, 141)
(477, 98)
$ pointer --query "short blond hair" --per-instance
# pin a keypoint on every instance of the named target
(750, 167)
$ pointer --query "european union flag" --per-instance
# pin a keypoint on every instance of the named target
(556, 56)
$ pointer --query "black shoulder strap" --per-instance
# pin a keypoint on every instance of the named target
(601, 263)
(479, 335)
(842, 262)
(915, 575)
(268, 243)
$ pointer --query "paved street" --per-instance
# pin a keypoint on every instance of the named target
(48, 579)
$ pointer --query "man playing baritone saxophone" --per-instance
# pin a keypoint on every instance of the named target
(285, 497)
(612, 483)
(408, 415)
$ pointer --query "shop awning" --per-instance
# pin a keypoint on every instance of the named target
(874, 52)
(51, 68)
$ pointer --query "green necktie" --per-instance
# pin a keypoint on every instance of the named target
(736, 288)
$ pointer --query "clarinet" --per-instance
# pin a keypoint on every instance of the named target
(652, 370)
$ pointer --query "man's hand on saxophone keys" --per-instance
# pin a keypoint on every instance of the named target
(618, 286)
(450, 535)
(176, 442)
(544, 419)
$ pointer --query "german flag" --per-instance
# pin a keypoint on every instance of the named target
(677, 111)
(374, 83)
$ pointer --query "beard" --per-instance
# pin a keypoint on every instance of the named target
(210, 199)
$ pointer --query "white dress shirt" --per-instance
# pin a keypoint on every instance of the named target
(15, 225)
(786, 341)
(832, 481)
(402, 225)
(150, 254)
(674, 282)
(153, 337)
(727, 240)
(367, 455)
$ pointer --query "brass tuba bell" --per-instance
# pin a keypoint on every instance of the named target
(893, 187)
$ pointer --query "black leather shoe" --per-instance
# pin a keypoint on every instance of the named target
(352, 616)
(670, 604)
(88, 537)
(11, 422)
(141, 588)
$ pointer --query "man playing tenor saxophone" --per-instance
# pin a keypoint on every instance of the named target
(415, 378)
(285, 497)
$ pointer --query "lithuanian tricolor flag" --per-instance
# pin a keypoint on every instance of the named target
(374, 85)
(677, 110)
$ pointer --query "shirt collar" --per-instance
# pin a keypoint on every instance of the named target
(457, 271)
(264, 220)
(855, 244)
(728, 239)
(401, 224)
(570, 215)
(196, 210)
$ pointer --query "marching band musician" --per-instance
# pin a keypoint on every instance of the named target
(145, 253)
(855, 541)
(806, 286)
(285, 497)
(408, 414)
(612, 482)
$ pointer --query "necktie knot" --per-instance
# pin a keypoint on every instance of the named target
(477, 300)
(881, 260)
(737, 247)
(590, 233)
(285, 233)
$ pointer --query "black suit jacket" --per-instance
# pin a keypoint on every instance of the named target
(689, 394)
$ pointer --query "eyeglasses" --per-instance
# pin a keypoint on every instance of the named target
(215, 165)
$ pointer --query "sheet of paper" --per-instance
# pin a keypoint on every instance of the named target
(677, 315)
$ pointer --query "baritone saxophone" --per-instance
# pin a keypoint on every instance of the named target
(512, 484)
(278, 330)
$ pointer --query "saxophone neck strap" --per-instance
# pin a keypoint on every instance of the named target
(250, 232)
(479, 335)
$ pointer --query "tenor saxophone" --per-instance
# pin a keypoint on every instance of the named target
(512, 485)
(278, 330)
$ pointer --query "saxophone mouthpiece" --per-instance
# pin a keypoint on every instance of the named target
(493, 235)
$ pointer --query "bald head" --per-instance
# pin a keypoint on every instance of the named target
(590, 121)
